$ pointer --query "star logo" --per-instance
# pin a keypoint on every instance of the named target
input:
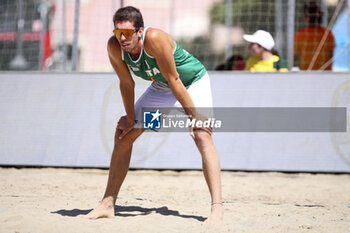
(152, 120)
(156, 115)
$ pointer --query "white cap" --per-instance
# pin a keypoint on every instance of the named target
(262, 38)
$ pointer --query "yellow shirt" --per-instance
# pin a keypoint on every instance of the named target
(254, 64)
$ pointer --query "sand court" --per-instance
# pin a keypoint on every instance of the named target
(54, 200)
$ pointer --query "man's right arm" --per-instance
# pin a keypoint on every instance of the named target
(126, 83)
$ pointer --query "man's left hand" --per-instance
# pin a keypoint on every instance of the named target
(125, 126)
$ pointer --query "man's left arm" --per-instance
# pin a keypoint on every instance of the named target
(160, 45)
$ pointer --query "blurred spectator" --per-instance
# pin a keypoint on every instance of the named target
(307, 41)
(262, 59)
(235, 62)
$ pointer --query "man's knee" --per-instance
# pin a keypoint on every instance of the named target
(201, 136)
(127, 139)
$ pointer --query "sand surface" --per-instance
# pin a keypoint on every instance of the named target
(53, 200)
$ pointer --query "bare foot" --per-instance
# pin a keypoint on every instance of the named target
(104, 210)
(216, 217)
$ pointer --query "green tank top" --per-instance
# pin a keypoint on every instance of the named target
(188, 67)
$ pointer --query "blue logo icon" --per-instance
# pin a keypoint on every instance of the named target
(151, 120)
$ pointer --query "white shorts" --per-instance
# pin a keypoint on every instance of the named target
(159, 95)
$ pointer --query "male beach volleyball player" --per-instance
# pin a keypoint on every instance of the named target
(178, 80)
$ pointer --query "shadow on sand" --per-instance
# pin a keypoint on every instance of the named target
(131, 211)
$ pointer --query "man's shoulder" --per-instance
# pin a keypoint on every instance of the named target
(113, 47)
(154, 34)
(112, 41)
(155, 40)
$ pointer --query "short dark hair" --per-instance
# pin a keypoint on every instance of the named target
(129, 13)
(314, 13)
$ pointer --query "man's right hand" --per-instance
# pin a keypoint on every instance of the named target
(125, 126)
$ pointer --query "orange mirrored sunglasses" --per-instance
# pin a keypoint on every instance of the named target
(126, 32)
